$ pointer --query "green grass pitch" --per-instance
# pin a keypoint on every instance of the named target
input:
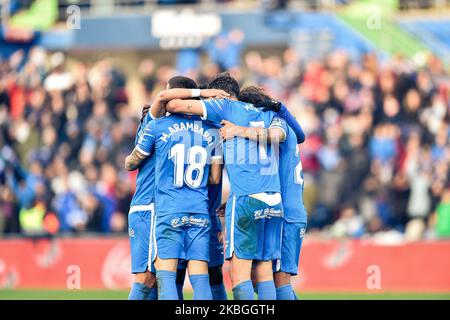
(7, 294)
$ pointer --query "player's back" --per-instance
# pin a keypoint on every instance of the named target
(251, 165)
(291, 180)
(254, 211)
(184, 144)
(145, 180)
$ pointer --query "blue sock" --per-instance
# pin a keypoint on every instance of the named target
(200, 284)
(294, 296)
(285, 293)
(266, 290)
(219, 292)
(139, 291)
(167, 288)
(180, 291)
(244, 291)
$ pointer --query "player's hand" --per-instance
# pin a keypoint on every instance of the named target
(221, 210)
(214, 93)
(229, 130)
(269, 105)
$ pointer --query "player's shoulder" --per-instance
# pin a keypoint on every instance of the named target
(246, 106)
(163, 120)
(154, 124)
(221, 103)
(278, 121)
(238, 102)
(148, 117)
(270, 113)
(266, 116)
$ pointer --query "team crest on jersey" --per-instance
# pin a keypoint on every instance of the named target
(130, 232)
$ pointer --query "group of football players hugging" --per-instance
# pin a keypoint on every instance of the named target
(177, 220)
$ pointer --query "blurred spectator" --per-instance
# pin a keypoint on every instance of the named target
(443, 216)
(225, 49)
(376, 157)
(349, 224)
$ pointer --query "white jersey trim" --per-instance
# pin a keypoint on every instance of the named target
(149, 207)
(142, 151)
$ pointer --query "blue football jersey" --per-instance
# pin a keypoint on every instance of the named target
(291, 175)
(183, 145)
(145, 180)
(251, 166)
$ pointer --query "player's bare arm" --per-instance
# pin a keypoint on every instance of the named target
(229, 130)
(158, 109)
(185, 106)
(134, 159)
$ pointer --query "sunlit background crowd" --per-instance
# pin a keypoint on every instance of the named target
(376, 158)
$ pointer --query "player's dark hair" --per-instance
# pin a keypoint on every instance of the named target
(145, 110)
(254, 95)
(225, 82)
(177, 82)
(182, 82)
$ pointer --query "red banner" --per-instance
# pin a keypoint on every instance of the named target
(347, 265)
(353, 265)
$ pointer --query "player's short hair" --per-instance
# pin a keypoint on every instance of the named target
(177, 82)
(225, 82)
(181, 82)
(254, 95)
(145, 110)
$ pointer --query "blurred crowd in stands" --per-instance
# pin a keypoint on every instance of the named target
(376, 158)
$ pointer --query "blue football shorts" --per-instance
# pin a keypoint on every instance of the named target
(291, 245)
(253, 224)
(216, 256)
(181, 236)
(139, 226)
